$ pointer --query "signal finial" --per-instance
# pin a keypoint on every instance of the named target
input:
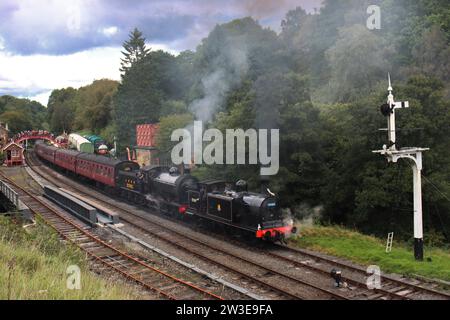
(390, 96)
(389, 78)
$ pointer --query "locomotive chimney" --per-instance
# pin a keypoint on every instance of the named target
(184, 169)
(181, 168)
(264, 180)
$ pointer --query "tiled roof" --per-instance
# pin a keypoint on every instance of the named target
(146, 135)
(11, 144)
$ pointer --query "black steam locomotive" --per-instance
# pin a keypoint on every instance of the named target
(176, 193)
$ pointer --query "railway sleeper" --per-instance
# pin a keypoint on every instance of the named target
(190, 296)
(112, 261)
(107, 254)
(375, 296)
(81, 239)
(404, 293)
(70, 232)
(138, 271)
(112, 256)
(170, 287)
(66, 230)
(95, 249)
(88, 244)
(123, 263)
(395, 290)
(153, 280)
(71, 235)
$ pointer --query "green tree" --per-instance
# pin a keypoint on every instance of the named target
(62, 106)
(95, 105)
(357, 60)
(431, 54)
(167, 125)
(34, 114)
(17, 121)
(135, 50)
(170, 107)
(141, 94)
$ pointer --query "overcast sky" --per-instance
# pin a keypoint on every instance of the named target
(50, 44)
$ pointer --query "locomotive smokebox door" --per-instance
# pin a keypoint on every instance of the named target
(220, 207)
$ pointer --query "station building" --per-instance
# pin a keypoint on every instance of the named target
(13, 154)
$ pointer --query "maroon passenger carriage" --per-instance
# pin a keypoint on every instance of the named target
(45, 152)
(66, 159)
(100, 169)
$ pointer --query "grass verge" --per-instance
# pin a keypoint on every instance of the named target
(367, 250)
(33, 266)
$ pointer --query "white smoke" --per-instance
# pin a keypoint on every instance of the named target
(215, 87)
(229, 68)
(305, 215)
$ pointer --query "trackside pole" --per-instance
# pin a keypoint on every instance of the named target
(415, 154)
(418, 227)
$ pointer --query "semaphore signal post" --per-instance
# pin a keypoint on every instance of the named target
(412, 153)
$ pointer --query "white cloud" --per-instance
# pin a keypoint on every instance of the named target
(41, 98)
(35, 76)
(163, 47)
(110, 31)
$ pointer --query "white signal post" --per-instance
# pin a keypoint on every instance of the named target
(412, 153)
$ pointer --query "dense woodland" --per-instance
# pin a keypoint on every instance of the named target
(22, 114)
(321, 81)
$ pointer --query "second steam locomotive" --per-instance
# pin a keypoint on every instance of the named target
(176, 193)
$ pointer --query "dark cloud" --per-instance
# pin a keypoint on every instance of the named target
(63, 27)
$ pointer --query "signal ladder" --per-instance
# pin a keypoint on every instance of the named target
(390, 239)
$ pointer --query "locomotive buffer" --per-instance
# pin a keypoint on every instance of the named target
(412, 153)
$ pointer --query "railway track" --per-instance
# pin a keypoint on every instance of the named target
(391, 288)
(106, 257)
(245, 268)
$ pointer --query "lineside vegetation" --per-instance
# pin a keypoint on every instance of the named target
(33, 264)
